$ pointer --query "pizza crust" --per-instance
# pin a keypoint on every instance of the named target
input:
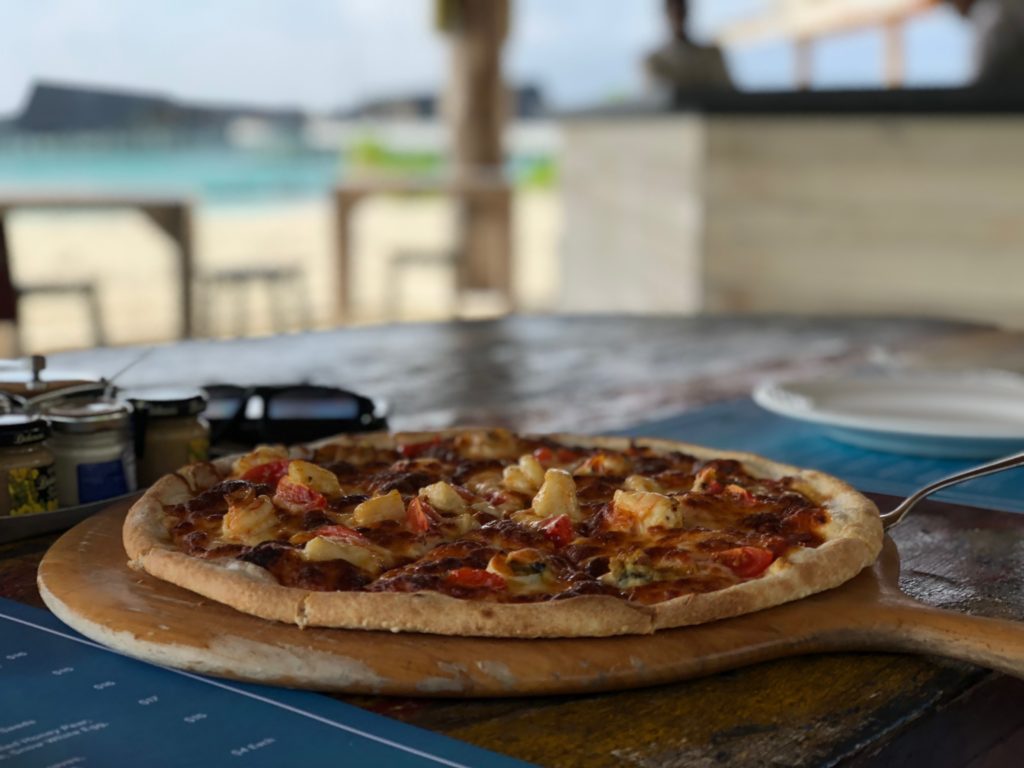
(853, 541)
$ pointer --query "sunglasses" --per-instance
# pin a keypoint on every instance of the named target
(244, 416)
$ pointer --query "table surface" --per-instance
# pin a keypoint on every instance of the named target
(602, 373)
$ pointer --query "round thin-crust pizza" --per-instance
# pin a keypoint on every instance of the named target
(488, 533)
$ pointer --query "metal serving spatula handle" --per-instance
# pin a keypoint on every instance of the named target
(891, 518)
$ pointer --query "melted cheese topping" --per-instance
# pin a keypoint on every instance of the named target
(525, 571)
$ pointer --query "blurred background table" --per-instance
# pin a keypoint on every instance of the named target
(172, 214)
(605, 373)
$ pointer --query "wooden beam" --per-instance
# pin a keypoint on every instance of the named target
(476, 108)
(803, 50)
(895, 58)
(802, 19)
(176, 222)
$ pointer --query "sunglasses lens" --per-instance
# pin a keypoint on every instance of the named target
(223, 401)
(313, 405)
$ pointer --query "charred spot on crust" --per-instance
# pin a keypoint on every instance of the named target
(341, 469)
(327, 576)
(214, 502)
(466, 468)
(508, 534)
(347, 503)
(194, 543)
(587, 587)
(596, 489)
(403, 482)
(266, 554)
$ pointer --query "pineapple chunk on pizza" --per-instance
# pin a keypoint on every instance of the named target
(557, 496)
(380, 508)
(261, 454)
(318, 479)
(525, 477)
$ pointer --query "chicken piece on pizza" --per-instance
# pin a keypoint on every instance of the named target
(250, 519)
(487, 444)
(606, 463)
(638, 512)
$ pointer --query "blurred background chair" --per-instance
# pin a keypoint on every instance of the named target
(83, 291)
(283, 288)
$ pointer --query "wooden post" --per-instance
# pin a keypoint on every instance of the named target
(894, 54)
(9, 336)
(475, 107)
(176, 221)
(8, 297)
(344, 202)
(804, 63)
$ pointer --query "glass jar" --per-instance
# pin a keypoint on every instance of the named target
(92, 446)
(170, 431)
(27, 476)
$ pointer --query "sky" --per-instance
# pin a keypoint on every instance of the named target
(326, 54)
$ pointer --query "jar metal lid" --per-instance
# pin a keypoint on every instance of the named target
(18, 429)
(167, 402)
(88, 417)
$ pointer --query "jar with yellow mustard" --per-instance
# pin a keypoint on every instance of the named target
(27, 474)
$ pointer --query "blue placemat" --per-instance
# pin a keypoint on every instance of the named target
(66, 701)
(742, 425)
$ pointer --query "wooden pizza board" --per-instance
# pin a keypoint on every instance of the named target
(85, 581)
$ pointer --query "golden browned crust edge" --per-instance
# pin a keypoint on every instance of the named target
(243, 586)
(854, 539)
(585, 616)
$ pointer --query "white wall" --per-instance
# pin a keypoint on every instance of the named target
(893, 214)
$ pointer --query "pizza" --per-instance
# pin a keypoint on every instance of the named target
(484, 532)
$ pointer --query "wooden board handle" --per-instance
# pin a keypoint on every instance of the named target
(997, 644)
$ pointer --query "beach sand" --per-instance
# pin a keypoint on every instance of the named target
(134, 267)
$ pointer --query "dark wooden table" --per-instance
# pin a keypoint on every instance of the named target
(590, 374)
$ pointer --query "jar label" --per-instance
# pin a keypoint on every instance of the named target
(32, 489)
(198, 449)
(101, 480)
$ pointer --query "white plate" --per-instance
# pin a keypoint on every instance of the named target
(927, 413)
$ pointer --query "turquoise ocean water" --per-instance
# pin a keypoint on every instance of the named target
(214, 174)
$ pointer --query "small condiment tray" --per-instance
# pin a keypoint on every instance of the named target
(17, 527)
